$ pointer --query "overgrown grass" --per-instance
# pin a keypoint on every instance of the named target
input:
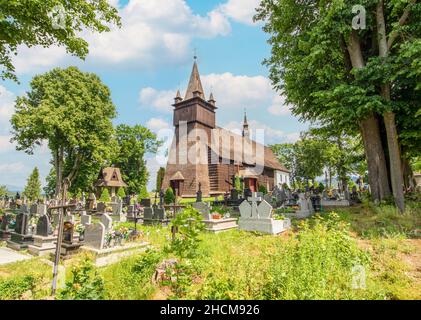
(384, 221)
(29, 279)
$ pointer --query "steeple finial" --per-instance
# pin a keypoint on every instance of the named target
(195, 87)
(211, 99)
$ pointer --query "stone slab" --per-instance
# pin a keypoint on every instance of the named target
(8, 255)
(218, 225)
(269, 226)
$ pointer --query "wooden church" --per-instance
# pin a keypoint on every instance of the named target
(204, 154)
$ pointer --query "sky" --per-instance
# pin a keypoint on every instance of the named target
(148, 59)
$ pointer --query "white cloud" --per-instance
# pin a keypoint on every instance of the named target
(159, 100)
(7, 101)
(279, 107)
(156, 124)
(230, 91)
(241, 10)
(153, 33)
(12, 167)
(5, 144)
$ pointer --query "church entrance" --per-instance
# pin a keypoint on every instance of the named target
(177, 185)
(251, 183)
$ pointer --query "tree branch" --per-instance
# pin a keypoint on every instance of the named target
(394, 34)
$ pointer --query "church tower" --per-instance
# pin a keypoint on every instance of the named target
(246, 132)
(187, 166)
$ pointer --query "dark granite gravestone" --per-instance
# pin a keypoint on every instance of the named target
(68, 231)
(34, 209)
(101, 207)
(145, 202)
(234, 195)
(5, 222)
(22, 223)
(148, 213)
(43, 226)
(159, 214)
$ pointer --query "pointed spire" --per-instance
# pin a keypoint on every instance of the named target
(195, 85)
(211, 99)
(178, 97)
(246, 132)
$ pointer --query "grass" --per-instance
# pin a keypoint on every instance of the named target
(315, 260)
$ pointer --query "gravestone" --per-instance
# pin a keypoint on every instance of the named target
(101, 207)
(68, 232)
(5, 222)
(262, 220)
(148, 213)
(107, 222)
(22, 221)
(254, 199)
(34, 209)
(43, 226)
(42, 209)
(204, 209)
(85, 219)
(159, 214)
(95, 236)
(130, 210)
(145, 202)
(22, 236)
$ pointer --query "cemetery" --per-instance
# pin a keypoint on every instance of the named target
(145, 179)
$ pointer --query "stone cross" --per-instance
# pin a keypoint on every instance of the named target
(254, 199)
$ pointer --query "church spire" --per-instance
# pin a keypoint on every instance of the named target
(195, 85)
(246, 132)
(178, 97)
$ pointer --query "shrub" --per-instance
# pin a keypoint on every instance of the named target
(121, 193)
(105, 196)
(14, 288)
(169, 196)
(86, 284)
(143, 193)
(188, 225)
(263, 189)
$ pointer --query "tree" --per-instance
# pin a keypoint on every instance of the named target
(121, 193)
(143, 193)
(105, 196)
(72, 111)
(33, 22)
(352, 78)
(169, 196)
(3, 191)
(133, 143)
(33, 186)
(286, 155)
(160, 178)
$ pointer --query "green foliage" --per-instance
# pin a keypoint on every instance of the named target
(14, 288)
(33, 186)
(143, 193)
(263, 189)
(86, 284)
(29, 23)
(188, 224)
(105, 196)
(238, 184)
(121, 193)
(160, 178)
(133, 143)
(3, 191)
(169, 196)
(130, 278)
(71, 110)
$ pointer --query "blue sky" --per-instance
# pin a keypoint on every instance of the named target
(149, 58)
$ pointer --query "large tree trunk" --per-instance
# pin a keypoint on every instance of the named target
(389, 118)
(58, 163)
(376, 162)
(370, 133)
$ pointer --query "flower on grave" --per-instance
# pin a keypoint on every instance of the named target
(124, 232)
(80, 228)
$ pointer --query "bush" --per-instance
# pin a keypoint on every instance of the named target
(143, 193)
(13, 289)
(86, 284)
(263, 189)
(169, 196)
(105, 196)
(121, 193)
(188, 225)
